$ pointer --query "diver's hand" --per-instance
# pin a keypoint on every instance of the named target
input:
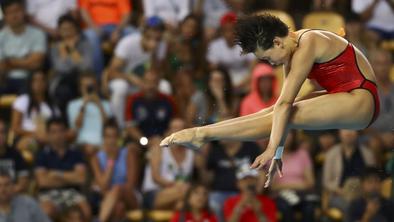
(276, 166)
(191, 138)
(263, 158)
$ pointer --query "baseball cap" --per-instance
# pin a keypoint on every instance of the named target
(154, 22)
(245, 171)
(228, 18)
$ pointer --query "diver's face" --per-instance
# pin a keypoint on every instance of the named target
(276, 55)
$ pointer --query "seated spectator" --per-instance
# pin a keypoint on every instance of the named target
(12, 162)
(264, 90)
(211, 11)
(378, 15)
(17, 208)
(60, 172)
(115, 171)
(105, 19)
(45, 16)
(223, 160)
(223, 51)
(168, 173)
(131, 57)
(248, 206)
(187, 49)
(195, 206)
(190, 102)
(88, 114)
(22, 48)
(371, 206)
(70, 56)
(343, 162)
(30, 112)
(148, 113)
(220, 100)
(72, 214)
(172, 12)
(381, 61)
(294, 189)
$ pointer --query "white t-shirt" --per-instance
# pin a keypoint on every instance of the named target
(49, 11)
(169, 169)
(382, 16)
(21, 104)
(238, 65)
(171, 11)
(130, 50)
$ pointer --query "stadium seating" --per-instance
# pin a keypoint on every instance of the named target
(330, 21)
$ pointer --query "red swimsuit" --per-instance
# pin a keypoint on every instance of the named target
(342, 74)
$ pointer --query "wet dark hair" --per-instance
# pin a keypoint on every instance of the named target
(254, 31)
(7, 3)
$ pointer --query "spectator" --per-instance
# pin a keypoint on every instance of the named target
(30, 112)
(343, 162)
(378, 14)
(105, 19)
(132, 55)
(187, 50)
(45, 15)
(88, 114)
(70, 56)
(12, 162)
(172, 12)
(148, 113)
(223, 51)
(248, 206)
(17, 208)
(115, 171)
(223, 160)
(371, 206)
(211, 11)
(168, 173)
(195, 206)
(220, 99)
(60, 172)
(295, 189)
(22, 48)
(72, 214)
(381, 61)
(264, 90)
(190, 101)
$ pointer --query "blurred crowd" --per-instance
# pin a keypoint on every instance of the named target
(99, 83)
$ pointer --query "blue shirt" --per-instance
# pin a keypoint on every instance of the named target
(23, 209)
(119, 175)
(92, 125)
(48, 159)
(150, 116)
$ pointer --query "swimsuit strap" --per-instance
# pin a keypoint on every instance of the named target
(299, 38)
